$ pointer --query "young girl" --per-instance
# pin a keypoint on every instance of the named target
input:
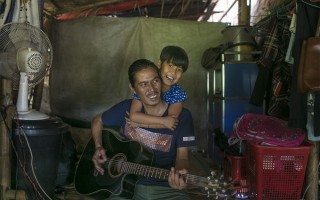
(173, 63)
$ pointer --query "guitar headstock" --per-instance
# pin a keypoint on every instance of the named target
(220, 187)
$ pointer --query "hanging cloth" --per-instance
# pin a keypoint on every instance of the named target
(7, 5)
(307, 18)
(27, 11)
(274, 77)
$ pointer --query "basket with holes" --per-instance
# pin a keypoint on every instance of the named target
(276, 173)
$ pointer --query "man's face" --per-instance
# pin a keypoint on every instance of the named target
(148, 86)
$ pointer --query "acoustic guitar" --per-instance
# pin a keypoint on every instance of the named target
(127, 161)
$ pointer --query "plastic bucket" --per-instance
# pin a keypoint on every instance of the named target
(37, 144)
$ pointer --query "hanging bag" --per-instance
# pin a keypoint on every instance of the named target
(309, 65)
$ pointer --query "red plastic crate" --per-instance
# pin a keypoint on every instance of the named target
(234, 167)
(276, 173)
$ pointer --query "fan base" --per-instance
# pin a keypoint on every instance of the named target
(31, 115)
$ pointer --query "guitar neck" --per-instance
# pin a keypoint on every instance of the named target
(115, 180)
(156, 173)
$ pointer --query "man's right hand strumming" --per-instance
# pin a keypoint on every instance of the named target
(99, 157)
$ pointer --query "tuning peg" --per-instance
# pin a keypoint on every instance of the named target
(221, 176)
(225, 183)
(208, 194)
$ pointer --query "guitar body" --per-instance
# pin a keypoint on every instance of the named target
(87, 182)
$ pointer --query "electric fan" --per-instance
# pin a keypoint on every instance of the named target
(25, 58)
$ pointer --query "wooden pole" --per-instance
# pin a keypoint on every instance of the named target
(244, 8)
(5, 151)
(312, 174)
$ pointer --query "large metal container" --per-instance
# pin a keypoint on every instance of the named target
(242, 43)
(232, 86)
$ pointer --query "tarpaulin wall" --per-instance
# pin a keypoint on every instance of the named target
(92, 55)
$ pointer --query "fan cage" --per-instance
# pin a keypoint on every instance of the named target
(14, 36)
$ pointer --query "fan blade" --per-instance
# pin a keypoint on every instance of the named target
(27, 48)
(7, 59)
(21, 40)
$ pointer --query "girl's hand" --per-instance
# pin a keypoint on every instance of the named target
(131, 123)
(171, 122)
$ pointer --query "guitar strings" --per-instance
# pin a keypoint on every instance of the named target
(153, 172)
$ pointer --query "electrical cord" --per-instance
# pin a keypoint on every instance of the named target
(21, 130)
(22, 165)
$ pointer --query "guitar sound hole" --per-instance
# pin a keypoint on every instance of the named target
(115, 164)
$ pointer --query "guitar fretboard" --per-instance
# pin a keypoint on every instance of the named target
(163, 174)
(90, 182)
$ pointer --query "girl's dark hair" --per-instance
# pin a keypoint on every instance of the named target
(176, 55)
(139, 65)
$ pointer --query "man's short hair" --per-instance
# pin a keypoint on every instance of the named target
(137, 66)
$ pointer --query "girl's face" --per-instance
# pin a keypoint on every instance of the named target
(170, 74)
